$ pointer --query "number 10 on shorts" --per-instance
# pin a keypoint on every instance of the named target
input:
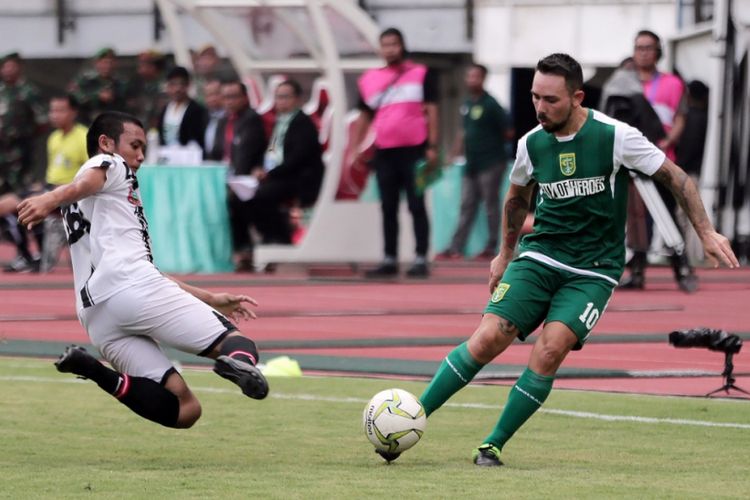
(590, 316)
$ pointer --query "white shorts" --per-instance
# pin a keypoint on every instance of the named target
(130, 327)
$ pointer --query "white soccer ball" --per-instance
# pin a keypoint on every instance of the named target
(394, 420)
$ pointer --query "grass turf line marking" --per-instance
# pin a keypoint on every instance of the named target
(477, 406)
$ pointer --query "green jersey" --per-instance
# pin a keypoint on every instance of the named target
(579, 222)
(485, 123)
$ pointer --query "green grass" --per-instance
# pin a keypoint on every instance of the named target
(62, 439)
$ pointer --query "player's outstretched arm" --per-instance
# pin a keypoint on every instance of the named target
(33, 210)
(715, 245)
(514, 215)
(228, 304)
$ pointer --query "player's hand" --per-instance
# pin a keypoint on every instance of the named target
(33, 210)
(497, 269)
(233, 306)
(719, 250)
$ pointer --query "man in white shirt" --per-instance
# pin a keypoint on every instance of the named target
(130, 309)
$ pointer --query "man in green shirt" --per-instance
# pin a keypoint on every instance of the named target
(485, 129)
(567, 268)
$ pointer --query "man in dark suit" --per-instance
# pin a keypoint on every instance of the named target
(240, 141)
(292, 171)
(182, 120)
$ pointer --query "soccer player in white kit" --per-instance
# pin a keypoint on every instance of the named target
(127, 306)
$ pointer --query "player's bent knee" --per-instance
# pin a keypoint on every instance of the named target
(491, 338)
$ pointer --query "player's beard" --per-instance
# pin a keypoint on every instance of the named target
(552, 127)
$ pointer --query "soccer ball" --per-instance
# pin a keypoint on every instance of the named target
(394, 420)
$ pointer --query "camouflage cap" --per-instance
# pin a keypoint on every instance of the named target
(151, 56)
(207, 49)
(105, 52)
(10, 56)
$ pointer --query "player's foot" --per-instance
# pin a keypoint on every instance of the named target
(248, 377)
(75, 359)
(387, 456)
(487, 455)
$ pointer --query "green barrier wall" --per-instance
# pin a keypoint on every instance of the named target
(187, 217)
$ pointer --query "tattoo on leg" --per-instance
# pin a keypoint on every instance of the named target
(507, 328)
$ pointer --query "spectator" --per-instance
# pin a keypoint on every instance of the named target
(665, 93)
(400, 101)
(182, 120)
(240, 142)
(216, 111)
(293, 167)
(485, 130)
(99, 89)
(66, 152)
(145, 94)
(208, 66)
(22, 115)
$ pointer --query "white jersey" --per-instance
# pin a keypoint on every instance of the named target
(108, 235)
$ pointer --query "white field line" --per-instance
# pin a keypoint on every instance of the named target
(477, 406)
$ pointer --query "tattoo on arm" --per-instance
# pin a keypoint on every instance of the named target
(686, 193)
(516, 209)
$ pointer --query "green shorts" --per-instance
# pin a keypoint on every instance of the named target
(532, 292)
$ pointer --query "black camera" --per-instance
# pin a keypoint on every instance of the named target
(714, 340)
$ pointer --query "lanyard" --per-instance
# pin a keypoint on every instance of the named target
(654, 88)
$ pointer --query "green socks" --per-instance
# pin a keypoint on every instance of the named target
(456, 370)
(530, 391)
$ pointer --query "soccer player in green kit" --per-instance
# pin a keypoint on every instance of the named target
(568, 267)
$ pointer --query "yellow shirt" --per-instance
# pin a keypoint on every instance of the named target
(65, 154)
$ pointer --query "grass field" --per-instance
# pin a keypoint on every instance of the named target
(63, 438)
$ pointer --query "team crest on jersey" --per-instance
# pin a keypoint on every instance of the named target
(133, 197)
(568, 163)
(476, 112)
(499, 292)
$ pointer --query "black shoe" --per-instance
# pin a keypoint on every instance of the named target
(487, 455)
(633, 282)
(75, 359)
(683, 273)
(387, 456)
(248, 377)
(418, 271)
(385, 270)
(689, 283)
(22, 265)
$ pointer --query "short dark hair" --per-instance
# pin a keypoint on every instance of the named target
(565, 66)
(243, 87)
(179, 72)
(481, 67)
(656, 39)
(110, 124)
(294, 84)
(70, 98)
(393, 32)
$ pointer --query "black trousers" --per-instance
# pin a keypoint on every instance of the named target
(394, 170)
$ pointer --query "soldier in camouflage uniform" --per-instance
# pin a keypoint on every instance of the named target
(145, 93)
(99, 89)
(22, 115)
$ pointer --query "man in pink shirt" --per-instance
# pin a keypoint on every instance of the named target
(400, 101)
(666, 94)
